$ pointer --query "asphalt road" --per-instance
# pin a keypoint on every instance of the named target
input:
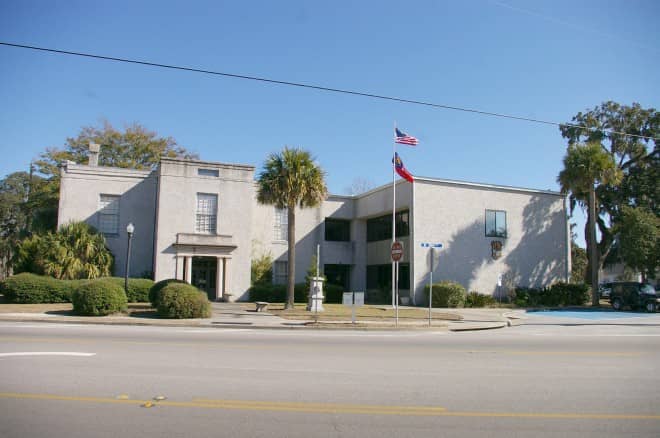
(61, 380)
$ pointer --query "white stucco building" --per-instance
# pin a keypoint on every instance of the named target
(200, 221)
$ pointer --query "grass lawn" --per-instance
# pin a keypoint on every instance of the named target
(339, 312)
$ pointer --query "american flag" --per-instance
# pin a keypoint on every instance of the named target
(404, 138)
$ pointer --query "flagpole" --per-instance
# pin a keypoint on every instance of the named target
(394, 303)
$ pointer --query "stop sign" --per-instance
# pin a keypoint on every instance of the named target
(397, 251)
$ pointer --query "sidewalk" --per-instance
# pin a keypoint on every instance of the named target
(233, 315)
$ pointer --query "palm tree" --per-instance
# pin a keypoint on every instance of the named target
(75, 251)
(585, 167)
(288, 180)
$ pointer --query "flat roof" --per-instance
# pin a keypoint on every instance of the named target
(475, 185)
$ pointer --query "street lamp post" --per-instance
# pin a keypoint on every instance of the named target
(129, 229)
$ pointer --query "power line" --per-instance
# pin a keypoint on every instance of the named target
(320, 88)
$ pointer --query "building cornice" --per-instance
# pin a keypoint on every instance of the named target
(72, 168)
(210, 164)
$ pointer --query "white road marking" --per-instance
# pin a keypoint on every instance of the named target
(47, 353)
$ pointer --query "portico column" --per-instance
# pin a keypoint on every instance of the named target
(219, 279)
(178, 273)
(226, 285)
(188, 278)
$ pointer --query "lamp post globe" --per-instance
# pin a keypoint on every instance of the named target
(130, 229)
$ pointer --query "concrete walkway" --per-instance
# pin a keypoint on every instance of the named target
(233, 315)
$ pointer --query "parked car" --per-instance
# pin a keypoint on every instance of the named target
(604, 290)
(634, 295)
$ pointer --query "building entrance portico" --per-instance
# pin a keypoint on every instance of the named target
(205, 262)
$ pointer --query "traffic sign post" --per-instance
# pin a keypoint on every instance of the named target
(397, 254)
(353, 299)
(432, 246)
(397, 251)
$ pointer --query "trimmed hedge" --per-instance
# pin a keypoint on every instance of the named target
(333, 293)
(276, 293)
(156, 288)
(98, 298)
(475, 299)
(29, 288)
(138, 288)
(559, 294)
(178, 300)
(447, 294)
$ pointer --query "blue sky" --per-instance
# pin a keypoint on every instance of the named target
(539, 59)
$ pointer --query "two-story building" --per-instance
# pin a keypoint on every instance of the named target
(200, 221)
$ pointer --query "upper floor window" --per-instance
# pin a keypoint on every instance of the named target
(109, 214)
(495, 223)
(281, 225)
(207, 213)
(337, 230)
(208, 172)
(380, 228)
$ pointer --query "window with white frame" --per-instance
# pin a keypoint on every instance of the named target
(207, 213)
(280, 272)
(281, 224)
(109, 214)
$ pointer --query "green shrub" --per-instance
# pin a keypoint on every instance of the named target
(183, 301)
(527, 297)
(29, 288)
(475, 299)
(559, 294)
(154, 291)
(571, 294)
(276, 293)
(75, 251)
(138, 288)
(333, 293)
(98, 297)
(447, 294)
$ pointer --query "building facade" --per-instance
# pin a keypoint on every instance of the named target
(200, 222)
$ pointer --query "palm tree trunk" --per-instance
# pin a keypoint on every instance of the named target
(291, 265)
(593, 247)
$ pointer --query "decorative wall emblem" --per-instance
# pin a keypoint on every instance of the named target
(496, 249)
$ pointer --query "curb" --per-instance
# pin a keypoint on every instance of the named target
(448, 326)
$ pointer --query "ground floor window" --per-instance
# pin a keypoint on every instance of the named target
(380, 276)
(339, 275)
(280, 272)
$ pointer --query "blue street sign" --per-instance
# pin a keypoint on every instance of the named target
(431, 245)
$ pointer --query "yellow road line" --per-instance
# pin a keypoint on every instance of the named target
(301, 407)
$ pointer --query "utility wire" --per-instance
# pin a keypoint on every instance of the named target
(320, 88)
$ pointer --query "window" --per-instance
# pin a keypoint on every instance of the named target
(495, 223)
(281, 224)
(207, 213)
(380, 276)
(380, 228)
(280, 272)
(337, 230)
(208, 172)
(109, 214)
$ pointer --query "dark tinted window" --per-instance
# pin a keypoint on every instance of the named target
(380, 228)
(337, 230)
(380, 276)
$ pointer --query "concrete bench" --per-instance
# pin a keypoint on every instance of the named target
(262, 306)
